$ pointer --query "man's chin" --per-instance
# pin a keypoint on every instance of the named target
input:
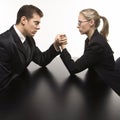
(81, 33)
(32, 35)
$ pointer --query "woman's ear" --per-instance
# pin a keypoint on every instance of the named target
(91, 22)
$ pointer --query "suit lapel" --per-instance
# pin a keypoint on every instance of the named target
(18, 41)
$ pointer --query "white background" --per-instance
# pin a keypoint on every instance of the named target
(61, 16)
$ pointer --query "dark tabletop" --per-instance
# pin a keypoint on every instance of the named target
(50, 93)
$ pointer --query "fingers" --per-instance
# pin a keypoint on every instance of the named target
(61, 41)
(62, 38)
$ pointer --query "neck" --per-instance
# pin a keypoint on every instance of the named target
(90, 33)
(20, 28)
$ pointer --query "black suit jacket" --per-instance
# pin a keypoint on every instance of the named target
(98, 58)
(14, 58)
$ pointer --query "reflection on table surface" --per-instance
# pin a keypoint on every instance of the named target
(52, 94)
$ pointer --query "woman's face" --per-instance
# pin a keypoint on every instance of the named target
(83, 24)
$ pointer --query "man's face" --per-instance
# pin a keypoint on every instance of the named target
(31, 25)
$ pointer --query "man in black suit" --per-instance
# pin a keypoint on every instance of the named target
(18, 48)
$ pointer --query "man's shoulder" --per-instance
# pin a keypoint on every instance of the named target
(5, 38)
(5, 34)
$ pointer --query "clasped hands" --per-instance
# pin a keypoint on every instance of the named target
(60, 41)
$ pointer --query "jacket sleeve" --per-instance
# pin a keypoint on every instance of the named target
(4, 66)
(92, 56)
(44, 58)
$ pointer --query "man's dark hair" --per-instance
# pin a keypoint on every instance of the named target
(28, 11)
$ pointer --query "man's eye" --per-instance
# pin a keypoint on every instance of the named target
(36, 23)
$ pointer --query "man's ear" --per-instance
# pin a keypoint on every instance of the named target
(23, 20)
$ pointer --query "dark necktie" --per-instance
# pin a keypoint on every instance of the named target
(25, 47)
(24, 43)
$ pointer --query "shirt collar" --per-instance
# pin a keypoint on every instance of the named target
(21, 36)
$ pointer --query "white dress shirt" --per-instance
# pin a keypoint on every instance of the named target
(21, 36)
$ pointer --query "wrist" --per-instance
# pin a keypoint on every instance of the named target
(56, 46)
(63, 47)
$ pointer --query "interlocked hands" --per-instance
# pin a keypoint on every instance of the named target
(60, 41)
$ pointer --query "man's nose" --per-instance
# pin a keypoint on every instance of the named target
(38, 27)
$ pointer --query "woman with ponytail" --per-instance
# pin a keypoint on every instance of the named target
(98, 56)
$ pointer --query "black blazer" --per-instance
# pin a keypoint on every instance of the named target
(98, 58)
(14, 58)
